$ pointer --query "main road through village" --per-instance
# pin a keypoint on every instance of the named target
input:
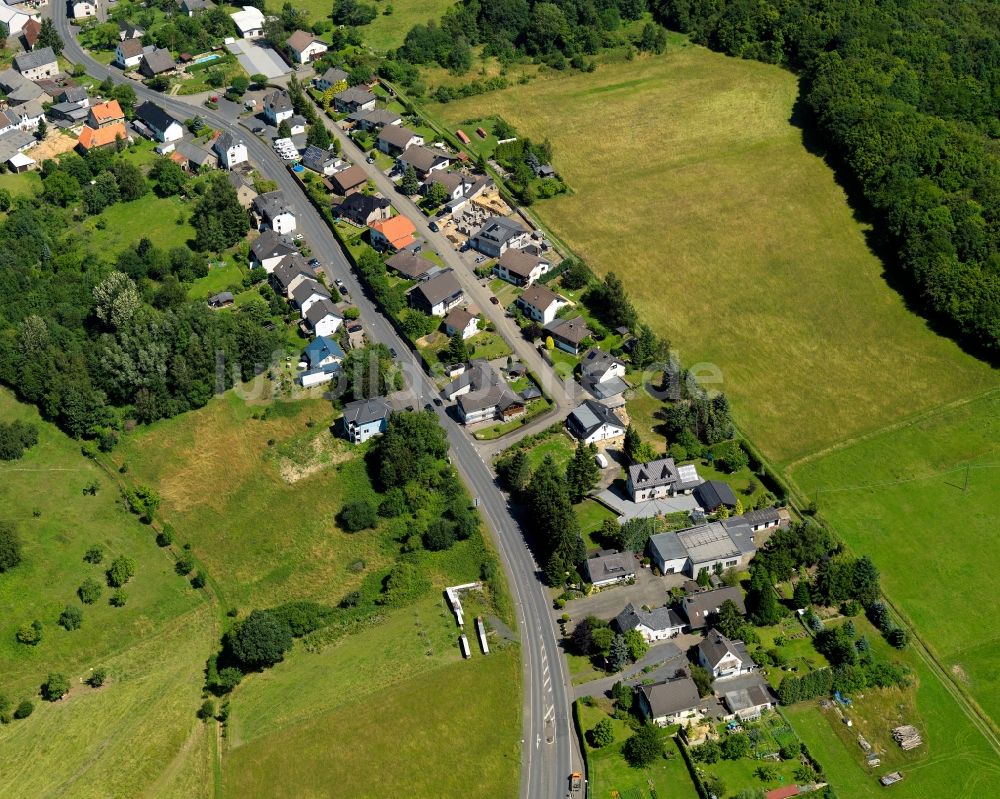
(550, 751)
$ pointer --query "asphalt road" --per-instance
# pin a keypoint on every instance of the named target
(550, 749)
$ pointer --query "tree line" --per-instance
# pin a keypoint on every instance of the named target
(905, 94)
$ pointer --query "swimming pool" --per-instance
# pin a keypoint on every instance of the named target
(298, 168)
(207, 58)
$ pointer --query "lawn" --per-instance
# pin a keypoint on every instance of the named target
(21, 183)
(164, 221)
(592, 515)
(735, 241)
(900, 497)
(452, 731)
(612, 777)
(221, 276)
(488, 346)
(139, 732)
(388, 30)
(535, 408)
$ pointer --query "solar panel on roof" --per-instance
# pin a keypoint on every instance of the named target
(688, 474)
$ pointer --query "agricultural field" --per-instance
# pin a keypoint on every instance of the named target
(755, 262)
(138, 730)
(901, 497)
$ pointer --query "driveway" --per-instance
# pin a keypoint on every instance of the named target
(616, 499)
(665, 658)
(608, 603)
(254, 58)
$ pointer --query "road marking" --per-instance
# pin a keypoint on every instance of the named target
(538, 740)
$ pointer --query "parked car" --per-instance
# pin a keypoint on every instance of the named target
(338, 281)
(343, 290)
(495, 300)
(314, 262)
(437, 401)
(297, 237)
(392, 352)
(434, 226)
(428, 407)
(369, 160)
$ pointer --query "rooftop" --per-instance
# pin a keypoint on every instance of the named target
(610, 565)
(440, 287)
(500, 229)
(396, 135)
(366, 411)
(671, 696)
(34, 59)
(590, 415)
(539, 297)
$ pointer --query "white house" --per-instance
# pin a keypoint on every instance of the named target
(278, 107)
(128, 53)
(163, 126)
(520, 268)
(322, 318)
(499, 233)
(15, 20)
(593, 423)
(540, 303)
(438, 295)
(674, 701)
(747, 703)
(660, 479)
(323, 356)
(249, 22)
(269, 249)
(654, 625)
(396, 138)
(308, 293)
(332, 77)
(461, 321)
(230, 149)
(609, 567)
(273, 213)
(724, 658)
(82, 9)
(304, 47)
(37, 64)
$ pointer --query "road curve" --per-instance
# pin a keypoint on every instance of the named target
(550, 750)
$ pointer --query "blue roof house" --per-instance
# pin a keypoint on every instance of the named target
(323, 356)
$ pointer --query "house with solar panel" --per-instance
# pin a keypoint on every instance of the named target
(660, 479)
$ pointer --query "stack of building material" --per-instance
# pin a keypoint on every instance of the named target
(907, 737)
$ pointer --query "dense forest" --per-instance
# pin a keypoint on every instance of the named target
(906, 94)
(94, 338)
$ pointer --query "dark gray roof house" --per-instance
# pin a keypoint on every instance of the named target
(663, 619)
(361, 208)
(270, 245)
(221, 300)
(713, 494)
(156, 61)
(396, 136)
(700, 606)
(671, 698)
(366, 411)
(571, 333)
(715, 647)
(271, 204)
(302, 292)
(290, 269)
(442, 289)
(609, 566)
(353, 98)
(588, 417)
(424, 159)
(33, 59)
(317, 159)
(410, 265)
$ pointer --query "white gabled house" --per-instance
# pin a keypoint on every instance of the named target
(540, 304)
(654, 625)
(592, 423)
(322, 318)
(231, 150)
(724, 658)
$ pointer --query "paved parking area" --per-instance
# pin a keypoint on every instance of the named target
(615, 498)
(609, 602)
(255, 58)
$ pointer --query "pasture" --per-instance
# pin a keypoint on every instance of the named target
(735, 241)
(392, 23)
(901, 497)
(138, 732)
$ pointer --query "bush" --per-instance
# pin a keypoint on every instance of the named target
(603, 734)
(440, 535)
(184, 564)
(199, 580)
(30, 634)
(97, 678)
(207, 710)
(10, 546)
(89, 591)
(790, 750)
(122, 570)
(165, 537)
(25, 709)
(227, 680)
(118, 598)
(644, 747)
(358, 515)
(94, 555)
(71, 618)
(261, 640)
(15, 438)
(55, 687)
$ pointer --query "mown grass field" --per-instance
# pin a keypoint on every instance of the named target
(386, 31)
(900, 497)
(138, 732)
(150, 216)
(734, 240)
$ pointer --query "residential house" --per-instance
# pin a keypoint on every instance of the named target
(126, 30)
(128, 53)
(193, 157)
(13, 143)
(723, 657)
(270, 249)
(37, 64)
(273, 212)
(375, 119)
(654, 625)
(703, 605)
(322, 318)
(424, 160)
(410, 265)
(461, 321)
(105, 127)
(499, 234)
(324, 356)
(714, 494)
(746, 703)
(363, 209)
(290, 272)
(278, 107)
(659, 479)
(163, 126)
(438, 295)
(156, 61)
(231, 149)
(29, 33)
(592, 423)
(520, 268)
(30, 114)
(307, 293)
(395, 139)
(332, 77)
(249, 22)
(670, 702)
(761, 519)
(540, 303)
(304, 47)
(245, 192)
(9, 120)
(323, 162)
(568, 334)
(192, 7)
(355, 98)
(364, 419)
(609, 567)
(352, 179)
(77, 95)
(598, 366)
(482, 395)
(84, 9)
(223, 299)
(722, 544)
(394, 233)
